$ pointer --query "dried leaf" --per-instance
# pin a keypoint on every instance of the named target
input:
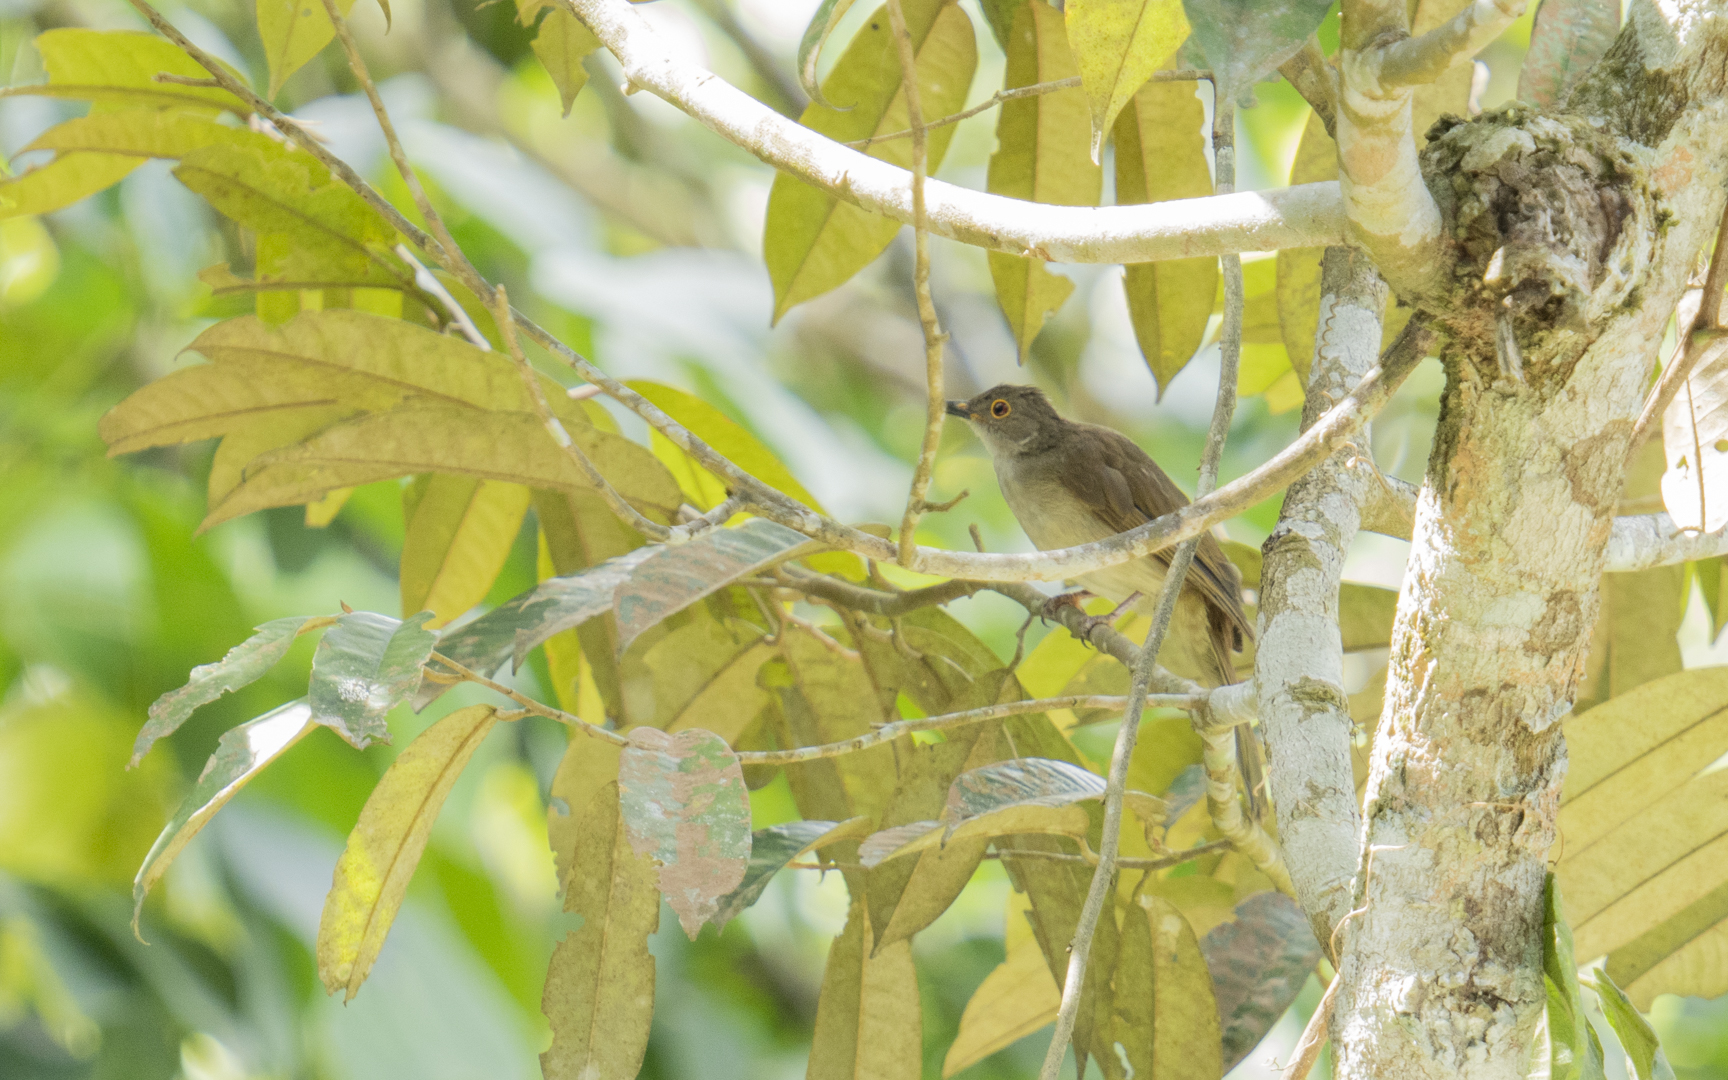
(772, 848)
(1119, 44)
(685, 804)
(460, 531)
(1042, 155)
(242, 666)
(560, 44)
(1258, 962)
(1165, 1023)
(1566, 39)
(812, 241)
(868, 1022)
(240, 755)
(1637, 1037)
(1244, 40)
(119, 67)
(600, 983)
(366, 665)
(373, 873)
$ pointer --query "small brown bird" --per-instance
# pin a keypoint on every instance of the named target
(1071, 483)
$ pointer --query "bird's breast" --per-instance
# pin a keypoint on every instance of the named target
(1054, 518)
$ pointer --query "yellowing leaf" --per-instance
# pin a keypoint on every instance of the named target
(460, 532)
(1161, 154)
(727, 437)
(868, 1021)
(294, 31)
(1166, 1020)
(1120, 43)
(560, 44)
(1042, 155)
(119, 67)
(812, 241)
(600, 984)
(1017, 998)
(703, 674)
(1634, 641)
(373, 873)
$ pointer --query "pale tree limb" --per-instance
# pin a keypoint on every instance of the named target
(935, 403)
(1299, 658)
(1418, 60)
(1305, 216)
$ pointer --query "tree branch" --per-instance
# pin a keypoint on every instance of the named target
(1418, 60)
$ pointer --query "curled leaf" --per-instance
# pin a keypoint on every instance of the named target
(827, 17)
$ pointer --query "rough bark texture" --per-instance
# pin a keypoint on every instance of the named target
(1299, 663)
(1572, 236)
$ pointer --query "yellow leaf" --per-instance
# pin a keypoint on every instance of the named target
(561, 43)
(1166, 1021)
(1042, 156)
(293, 32)
(1161, 154)
(703, 674)
(321, 512)
(728, 439)
(600, 983)
(265, 433)
(373, 873)
(1120, 43)
(119, 67)
(1635, 637)
(813, 242)
(868, 1022)
(1017, 998)
(62, 182)
(460, 532)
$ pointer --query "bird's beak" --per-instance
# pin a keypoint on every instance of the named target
(958, 408)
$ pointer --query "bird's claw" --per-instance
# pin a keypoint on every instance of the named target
(1085, 624)
(1075, 600)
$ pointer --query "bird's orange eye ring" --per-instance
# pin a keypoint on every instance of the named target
(1000, 408)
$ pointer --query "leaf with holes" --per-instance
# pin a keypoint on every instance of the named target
(1566, 39)
(1258, 962)
(366, 665)
(772, 848)
(1119, 44)
(241, 754)
(242, 666)
(685, 804)
(373, 873)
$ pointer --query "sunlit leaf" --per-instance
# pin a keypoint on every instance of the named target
(814, 242)
(366, 665)
(1244, 40)
(62, 182)
(600, 984)
(1166, 1022)
(1042, 155)
(726, 437)
(240, 755)
(1161, 154)
(243, 665)
(1258, 962)
(704, 675)
(868, 1020)
(1637, 1037)
(772, 848)
(1017, 998)
(827, 17)
(293, 32)
(460, 532)
(119, 67)
(560, 44)
(1120, 43)
(685, 804)
(1634, 639)
(1566, 39)
(1573, 1051)
(373, 873)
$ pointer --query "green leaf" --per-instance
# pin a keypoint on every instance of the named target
(1566, 39)
(62, 182)
(240, 755)
(1636, 1036)
(600, 984)
(366, 665)
(1708, 573)
(373, 873)
(1017, 998)
(274, 190)
(560, 44)
(816, 698)
(1244, 40)
(1258, 962)
(1161, 154)
(868, 1020)
(813, 242)
(460, 532)
(726, 437)
(1042, 155)
(827, 17)
(1166, 1022)
(1645, 819)
(1120, 43)
(243, 665)
(293, 32)
(118, 67)
(772, 848)
(703, 675)
(1573, 1051)
(1000, 14)
(685, 804)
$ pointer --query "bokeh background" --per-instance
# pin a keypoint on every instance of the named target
(634, 233)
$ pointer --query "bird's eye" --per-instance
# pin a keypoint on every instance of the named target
(1000, 408)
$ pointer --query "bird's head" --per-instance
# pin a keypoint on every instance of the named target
(1010, 419)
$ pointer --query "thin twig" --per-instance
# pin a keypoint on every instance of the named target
(427, 280)
(1103, 879)
(1695, 341)
(935, 405)
(1313, 1036)
(1123, 863)
(535, 707)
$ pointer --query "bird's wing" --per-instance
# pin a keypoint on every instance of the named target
(1125, 488)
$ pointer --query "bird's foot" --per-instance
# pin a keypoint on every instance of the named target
(1085, 625)
(1055, 604)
